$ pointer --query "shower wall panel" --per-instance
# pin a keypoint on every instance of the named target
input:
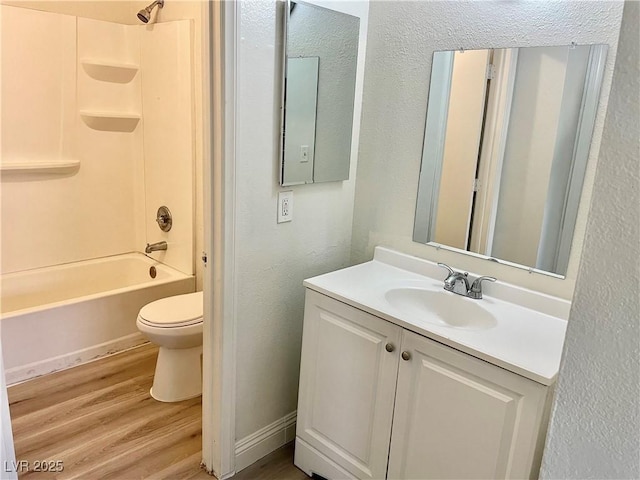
(38, 85)
(117, 100)
(113, 159)
(167, 111)
(39, 126)
(62, 215)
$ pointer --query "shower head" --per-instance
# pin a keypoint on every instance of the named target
(145, 14)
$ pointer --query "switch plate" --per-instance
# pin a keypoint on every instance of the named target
(285, 206)
(304, 153)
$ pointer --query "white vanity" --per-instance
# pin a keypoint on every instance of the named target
(401, 379)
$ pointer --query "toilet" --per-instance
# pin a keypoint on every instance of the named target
(175, 325)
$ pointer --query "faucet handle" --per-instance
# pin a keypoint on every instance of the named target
(476, 287)
(444, 265)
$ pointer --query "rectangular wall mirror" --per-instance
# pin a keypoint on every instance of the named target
(321, 57)
(506, 143)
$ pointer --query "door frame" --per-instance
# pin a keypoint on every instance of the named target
(497, 114)
(9, 465)
(219, 350)
(586, 125)
(432, 157)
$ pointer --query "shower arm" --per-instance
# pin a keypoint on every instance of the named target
(160, 4)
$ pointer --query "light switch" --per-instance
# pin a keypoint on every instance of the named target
(304, 153)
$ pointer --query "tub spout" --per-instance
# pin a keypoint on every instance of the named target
(154, 247)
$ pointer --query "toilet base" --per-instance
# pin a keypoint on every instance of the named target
(178, 374)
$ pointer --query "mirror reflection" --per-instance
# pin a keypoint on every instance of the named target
(320, 79)
(506, 143)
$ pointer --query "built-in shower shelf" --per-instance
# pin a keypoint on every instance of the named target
(111, 121)
(110, 72)
(29, 166)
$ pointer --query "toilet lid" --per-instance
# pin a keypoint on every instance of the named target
(176, 311)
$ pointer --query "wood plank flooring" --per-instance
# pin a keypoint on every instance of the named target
(99, 420)
(276, 466)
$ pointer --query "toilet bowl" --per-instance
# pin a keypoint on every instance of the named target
(175, 325)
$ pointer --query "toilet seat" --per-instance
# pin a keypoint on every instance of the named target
(172, 312)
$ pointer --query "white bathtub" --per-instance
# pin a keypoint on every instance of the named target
(56, 317)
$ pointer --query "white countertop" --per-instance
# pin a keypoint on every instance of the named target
(528, 334)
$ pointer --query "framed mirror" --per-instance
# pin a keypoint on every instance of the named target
(321, 53)
(506, 143)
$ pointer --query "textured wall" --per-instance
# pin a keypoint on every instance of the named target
(272, 260)
(402, 38)
(595, 424)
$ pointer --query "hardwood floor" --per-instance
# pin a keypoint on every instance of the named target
(276, 466)
(99, 420)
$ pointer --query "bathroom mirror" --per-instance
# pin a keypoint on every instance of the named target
(506, 143)
(321, 53)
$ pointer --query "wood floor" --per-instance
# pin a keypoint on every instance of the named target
(277, 466)
(100, 422)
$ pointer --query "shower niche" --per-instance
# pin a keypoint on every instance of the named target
(110, 72)
(110, 122)
(109, 87)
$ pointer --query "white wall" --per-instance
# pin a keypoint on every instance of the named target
(402, 38)
(595, 424)
(272, 260)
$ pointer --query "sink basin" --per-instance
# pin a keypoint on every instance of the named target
(441, 308)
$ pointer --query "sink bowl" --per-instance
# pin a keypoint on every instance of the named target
(441, 308)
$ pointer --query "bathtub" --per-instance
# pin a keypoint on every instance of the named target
(56, 317)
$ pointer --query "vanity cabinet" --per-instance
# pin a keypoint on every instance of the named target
(379, 401)
(347, 387)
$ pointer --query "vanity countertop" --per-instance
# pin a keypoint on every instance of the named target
(527, 328)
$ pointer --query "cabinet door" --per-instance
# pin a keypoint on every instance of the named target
(459, 417)
(347, 385)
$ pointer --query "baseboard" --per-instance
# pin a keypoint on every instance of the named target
(68, 360)
(253, 447)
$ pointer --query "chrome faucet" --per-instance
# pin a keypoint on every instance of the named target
(458, 283)
(154, 247)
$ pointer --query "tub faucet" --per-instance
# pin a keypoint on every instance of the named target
(154, 247)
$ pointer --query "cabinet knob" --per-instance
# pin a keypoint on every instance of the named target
(389, 347)
(406, 355)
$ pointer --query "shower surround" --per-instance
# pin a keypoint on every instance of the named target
(97, 133)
